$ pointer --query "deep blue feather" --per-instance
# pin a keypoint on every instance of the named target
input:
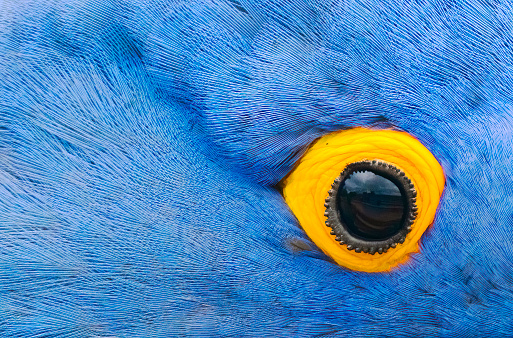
(141, 143)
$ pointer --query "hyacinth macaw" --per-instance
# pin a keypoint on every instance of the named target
(142, 146)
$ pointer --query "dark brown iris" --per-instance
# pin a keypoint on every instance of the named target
(371, 207)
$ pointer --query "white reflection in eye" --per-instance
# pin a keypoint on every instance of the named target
(367, 182)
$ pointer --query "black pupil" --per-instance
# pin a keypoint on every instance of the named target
(371, 206)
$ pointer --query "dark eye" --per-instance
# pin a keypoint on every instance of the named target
(372, 207)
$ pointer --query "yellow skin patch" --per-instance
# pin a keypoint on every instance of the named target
(306, 188)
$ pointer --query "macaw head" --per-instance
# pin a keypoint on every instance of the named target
(145, 146)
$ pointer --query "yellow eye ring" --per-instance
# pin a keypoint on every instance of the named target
(307, 188)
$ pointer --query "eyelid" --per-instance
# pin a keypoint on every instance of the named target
(306, 188)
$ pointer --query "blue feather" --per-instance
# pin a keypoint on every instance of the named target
(141, 143)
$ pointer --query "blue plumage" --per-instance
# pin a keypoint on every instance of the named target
(141, 143)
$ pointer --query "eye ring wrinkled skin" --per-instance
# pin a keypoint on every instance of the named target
(307, 187)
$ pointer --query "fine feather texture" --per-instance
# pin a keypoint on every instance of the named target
(141, 143)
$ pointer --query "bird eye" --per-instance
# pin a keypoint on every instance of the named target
(371, 206)
(365, 197)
